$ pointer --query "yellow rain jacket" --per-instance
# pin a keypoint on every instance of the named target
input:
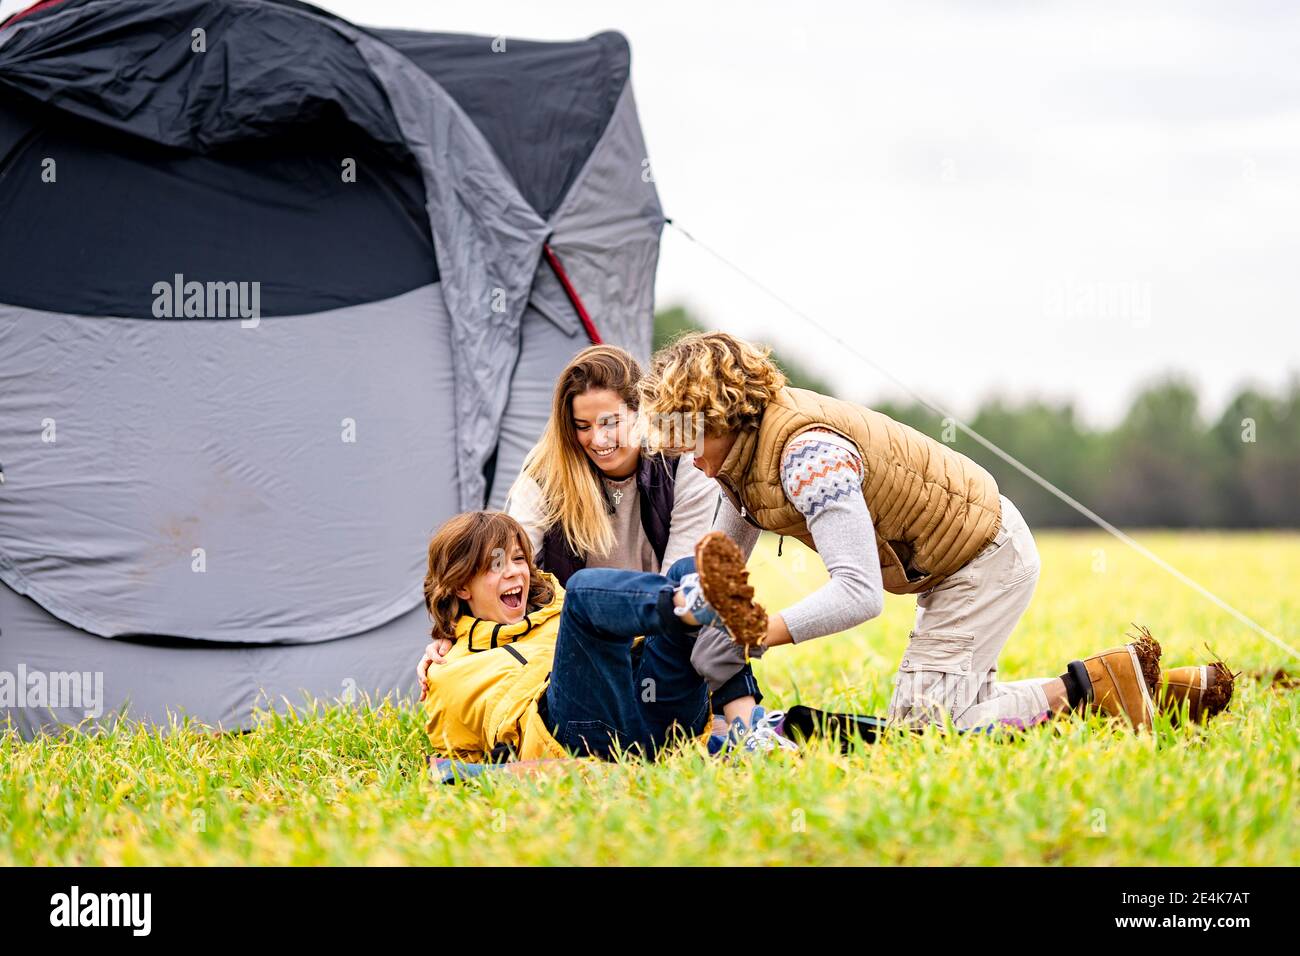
(484, 698)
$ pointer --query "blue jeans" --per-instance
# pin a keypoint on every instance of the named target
(601, 700)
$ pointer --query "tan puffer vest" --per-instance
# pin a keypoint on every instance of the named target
(933, 509)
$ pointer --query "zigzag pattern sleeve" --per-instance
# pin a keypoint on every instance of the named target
(815, 473)
(823, 479)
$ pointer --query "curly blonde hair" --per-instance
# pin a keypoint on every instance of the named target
(706, 381)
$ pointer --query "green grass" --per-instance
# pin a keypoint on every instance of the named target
(342, 785)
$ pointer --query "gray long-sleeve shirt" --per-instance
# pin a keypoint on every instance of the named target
(822, 477)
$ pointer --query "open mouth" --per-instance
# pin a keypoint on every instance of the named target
(513, 598)
(603, 453)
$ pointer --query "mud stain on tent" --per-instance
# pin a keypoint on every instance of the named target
(171, 543)
(180, 535)
(177, 535)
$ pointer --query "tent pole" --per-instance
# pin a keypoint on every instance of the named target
(558, 268)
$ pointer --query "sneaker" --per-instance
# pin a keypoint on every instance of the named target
(762, 735)
(695, 603)
(1206, 689)
(719, 594)
(1122, 681)
(765, 733)
(723, 745)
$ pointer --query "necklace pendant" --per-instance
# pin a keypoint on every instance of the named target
(617, 495)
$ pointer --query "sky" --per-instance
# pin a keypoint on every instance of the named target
(1047, 200)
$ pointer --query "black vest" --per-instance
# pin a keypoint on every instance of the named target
(656, 482)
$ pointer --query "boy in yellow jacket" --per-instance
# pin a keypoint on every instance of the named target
(531, 671)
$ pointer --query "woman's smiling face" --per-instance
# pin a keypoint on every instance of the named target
(603, 424)
(500, 594)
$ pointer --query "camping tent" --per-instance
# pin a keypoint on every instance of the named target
(278, 295)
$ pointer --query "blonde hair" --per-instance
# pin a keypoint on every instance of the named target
(708, 382)
(463, 548)
(571, 493)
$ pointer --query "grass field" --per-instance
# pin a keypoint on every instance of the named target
(346, 784)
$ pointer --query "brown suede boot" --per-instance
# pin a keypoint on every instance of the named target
(1122, 681)
(724, 580)
(1206, 689)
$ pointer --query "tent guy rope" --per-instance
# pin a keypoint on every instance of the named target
(1010, 459)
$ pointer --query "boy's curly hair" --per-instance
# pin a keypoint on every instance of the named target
(706, 380)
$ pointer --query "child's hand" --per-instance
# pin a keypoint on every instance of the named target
(435, 653)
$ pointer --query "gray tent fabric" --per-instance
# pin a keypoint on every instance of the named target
(487, 238)
(209, 513)
(607, 232)
(217, 684)
(542, 106)
(549, 298)
(605, 247)
(546, 348)
(470, 197)
(310, 485)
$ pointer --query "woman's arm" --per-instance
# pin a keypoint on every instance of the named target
(435, 653)
(695, 498)
(823, 479)
(525, 506)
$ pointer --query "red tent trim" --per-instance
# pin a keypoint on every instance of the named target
(558, 268)
(28, 12)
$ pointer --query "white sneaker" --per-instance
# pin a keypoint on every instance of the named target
(764, 733)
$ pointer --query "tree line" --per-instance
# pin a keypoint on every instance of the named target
(1165, 464)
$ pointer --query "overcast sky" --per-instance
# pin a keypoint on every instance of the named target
(1064, 200)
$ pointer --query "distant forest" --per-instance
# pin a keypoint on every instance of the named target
(1164, 465)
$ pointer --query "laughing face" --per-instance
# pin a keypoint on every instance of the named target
(500, 594)
(603, 424)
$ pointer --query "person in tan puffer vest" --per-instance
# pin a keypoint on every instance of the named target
(888, 509)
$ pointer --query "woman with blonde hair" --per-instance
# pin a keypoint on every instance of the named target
(887, 509)
(588, 496)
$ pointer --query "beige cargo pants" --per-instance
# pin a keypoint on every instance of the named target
(951, 662)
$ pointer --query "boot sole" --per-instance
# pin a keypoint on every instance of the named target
(1149, 710)
(725, 582)
(1145, 651)
(1216, 691)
